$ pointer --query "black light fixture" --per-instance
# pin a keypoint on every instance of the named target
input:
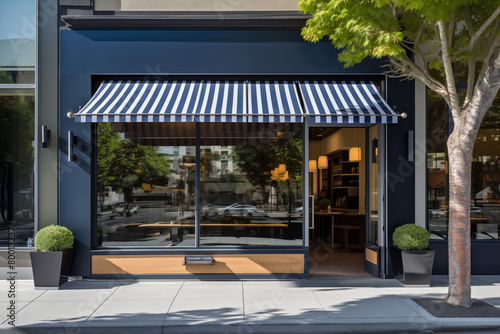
(71, 142)
(45, 136)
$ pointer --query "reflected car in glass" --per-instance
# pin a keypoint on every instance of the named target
(237, 210)
(475, 212)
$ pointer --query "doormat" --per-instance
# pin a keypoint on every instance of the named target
(441, 309)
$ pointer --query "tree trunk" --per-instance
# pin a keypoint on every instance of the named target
(460, 164)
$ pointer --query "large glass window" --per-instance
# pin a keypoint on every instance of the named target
(485, 176)
(17, 116)
(16, 167)
(243, 202)
(17, 42)
(146, 186)
(146, 175)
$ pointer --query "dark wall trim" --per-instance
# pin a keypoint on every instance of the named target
(186, 20)
(192, 250)
(283, 276)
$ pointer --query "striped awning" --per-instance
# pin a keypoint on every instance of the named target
(273, 101)
(193, 101)
(238, 102)
(345, 102)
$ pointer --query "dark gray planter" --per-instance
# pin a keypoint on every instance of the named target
(48, 268)
(417, 267)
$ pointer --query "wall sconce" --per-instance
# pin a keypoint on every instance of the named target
(313, 166)
(45, 136)
(355, 154)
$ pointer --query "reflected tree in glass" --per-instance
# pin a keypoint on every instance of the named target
(16, 156)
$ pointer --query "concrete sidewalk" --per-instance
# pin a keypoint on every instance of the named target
(251, 306)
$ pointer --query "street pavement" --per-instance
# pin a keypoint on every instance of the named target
(236, 306)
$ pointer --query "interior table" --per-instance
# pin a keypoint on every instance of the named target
(331, 215)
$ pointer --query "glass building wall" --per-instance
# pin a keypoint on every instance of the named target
(485, 175)
(17, 117)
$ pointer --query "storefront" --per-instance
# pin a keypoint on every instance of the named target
(226, 156)
(199, 142)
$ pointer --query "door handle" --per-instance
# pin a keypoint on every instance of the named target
(312, 212)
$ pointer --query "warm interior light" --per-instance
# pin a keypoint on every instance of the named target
(274, 173)
(322, 162)
(313, 166)
(285, 177)
(355, 154)
(282, 169)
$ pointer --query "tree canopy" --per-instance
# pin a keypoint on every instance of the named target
(258, 161)
(422, 38)
(125, 164)
(439, 42)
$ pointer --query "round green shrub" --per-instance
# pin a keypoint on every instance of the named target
(324, 203)
(411, 237)
(53, 238)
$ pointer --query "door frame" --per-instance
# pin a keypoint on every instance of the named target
(382, 185)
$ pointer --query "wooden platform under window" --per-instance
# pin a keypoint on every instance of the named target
(172, 264)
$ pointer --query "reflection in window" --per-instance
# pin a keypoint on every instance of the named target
(146, 184)
(17, 42)
(146, 187)
(242, 204)
(16, 167)
(485, 176)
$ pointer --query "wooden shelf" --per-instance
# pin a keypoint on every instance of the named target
(343, 193)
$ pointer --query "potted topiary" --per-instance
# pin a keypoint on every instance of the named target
(51, 260)
(413, 241)
(323, 204)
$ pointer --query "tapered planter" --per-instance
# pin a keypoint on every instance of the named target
(50, 269)
(417, 266)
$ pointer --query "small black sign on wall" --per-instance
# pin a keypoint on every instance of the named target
(198, 260)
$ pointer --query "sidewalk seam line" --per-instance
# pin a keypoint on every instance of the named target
(112, 293)
(243, 299)
(173, 300)
(320, 303)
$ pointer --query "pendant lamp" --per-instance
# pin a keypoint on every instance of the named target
(355, 152)
(322, 160)
(313, 166)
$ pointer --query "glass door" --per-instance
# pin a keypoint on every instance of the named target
(374, 219)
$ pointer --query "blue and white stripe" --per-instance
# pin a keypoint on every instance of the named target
(345, 102)
(273, 102)
(236, 102)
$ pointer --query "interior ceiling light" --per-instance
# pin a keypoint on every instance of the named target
(313, 166)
